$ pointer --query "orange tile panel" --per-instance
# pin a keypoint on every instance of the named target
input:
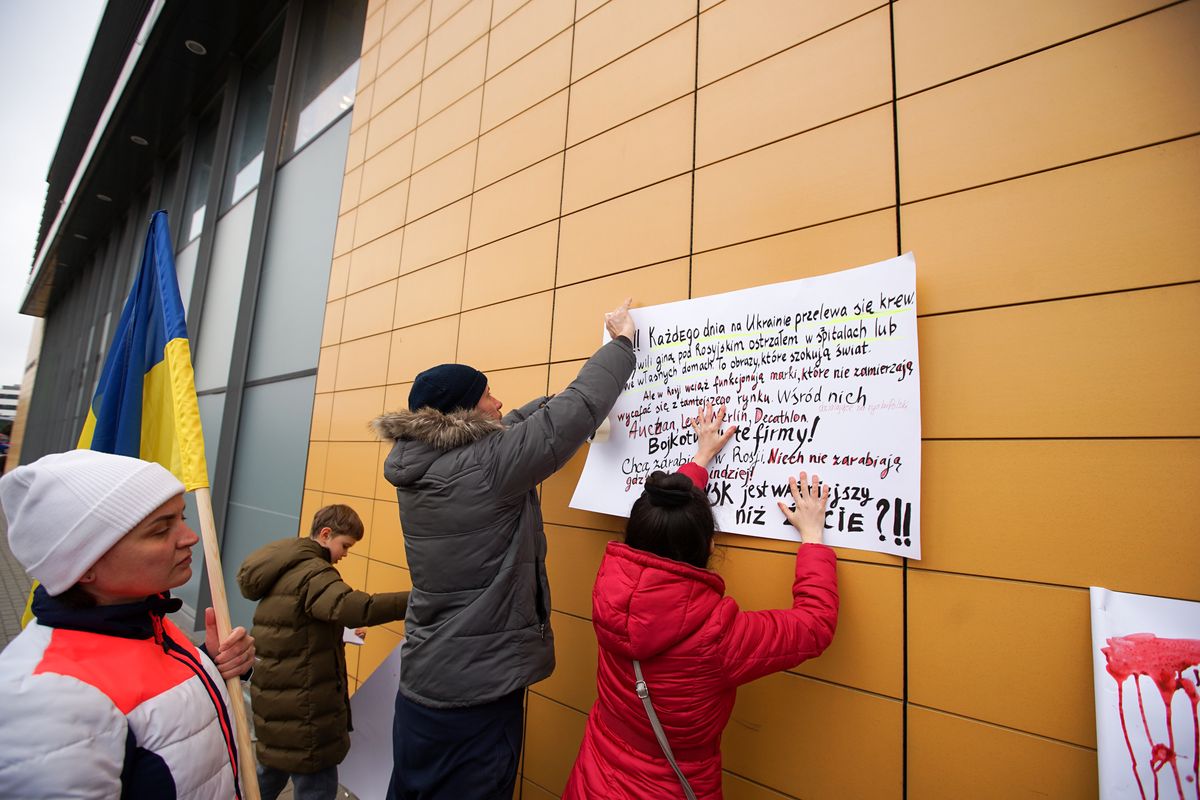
(429, 293)
(369, 312)
(389, 167)
(818, 250)
(1114, 223)
(552, 736)
(436, 237)
(620, 26)
(738, 33)
(454, 80)
(761, 741)
(572, 560)
(1069, 522)
(448, 131)
(331, 331)
(398, 79)
(950, 756)
(461, 31)
(381, 215)
(1014, 654)
(836, 171)
(350, 469)
(442, 182)
(1117, 89)
(520, 201)
(527, 82)
(404, 33)
(327, 368)
(350, 187)
(387, 540)
(376, 262)
(794, 92)
(511, 267)
(314, 468)
(525, 139)
(442, 11)
(339, 271)
(388, 125)
(511, 334)
(351, 412)
(579, 309)
(360, 362)
(516, 387)
(318, 429)
(654, 74)
(573, 682)
(419, 347)
(558, 489)
(937, 42)
(1099, 366)
(644, 227)
(523, 30)
(645, 150)
(868, 650)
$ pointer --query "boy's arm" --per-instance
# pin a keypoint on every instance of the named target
(329, 598)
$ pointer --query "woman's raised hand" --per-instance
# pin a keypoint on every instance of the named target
(710, 438)
(809, 517)
(619, 323)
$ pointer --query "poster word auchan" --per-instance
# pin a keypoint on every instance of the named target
(820, 375)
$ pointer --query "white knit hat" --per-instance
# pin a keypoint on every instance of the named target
(66, 510)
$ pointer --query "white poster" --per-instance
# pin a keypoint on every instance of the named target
(819, 374)
(367, 769)
(1146, 666)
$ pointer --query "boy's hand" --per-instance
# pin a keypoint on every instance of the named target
(235, 655)
(361, 633)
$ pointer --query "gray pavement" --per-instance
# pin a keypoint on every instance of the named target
(14, 590)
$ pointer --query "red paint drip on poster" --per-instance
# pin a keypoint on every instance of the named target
(1165, 662)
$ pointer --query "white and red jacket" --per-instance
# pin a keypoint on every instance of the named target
(696, 647)
(112, 701)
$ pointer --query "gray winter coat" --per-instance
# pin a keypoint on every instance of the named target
(478, 622)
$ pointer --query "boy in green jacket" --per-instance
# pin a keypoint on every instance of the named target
(299, 690)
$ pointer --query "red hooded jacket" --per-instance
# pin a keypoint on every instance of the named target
(696, 648)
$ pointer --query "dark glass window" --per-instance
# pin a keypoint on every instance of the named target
(326, 69)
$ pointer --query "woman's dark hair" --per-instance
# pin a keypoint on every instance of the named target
(672, 519)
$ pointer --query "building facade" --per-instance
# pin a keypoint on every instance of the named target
(512, 168)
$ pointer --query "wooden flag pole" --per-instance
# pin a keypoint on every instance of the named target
(220, 603)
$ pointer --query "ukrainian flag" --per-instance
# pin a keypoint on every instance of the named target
(145, 402)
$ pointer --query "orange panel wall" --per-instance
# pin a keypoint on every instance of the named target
(516, 168)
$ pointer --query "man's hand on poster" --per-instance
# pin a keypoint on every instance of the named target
(707, 425)
(619, 323)
(809, 517)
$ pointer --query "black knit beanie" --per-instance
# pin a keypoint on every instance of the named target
(447, 387)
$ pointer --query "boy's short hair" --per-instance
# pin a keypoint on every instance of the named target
(342, 520)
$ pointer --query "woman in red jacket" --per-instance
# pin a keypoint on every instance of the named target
(656, 602)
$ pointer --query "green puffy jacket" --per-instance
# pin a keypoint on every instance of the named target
(298, 690)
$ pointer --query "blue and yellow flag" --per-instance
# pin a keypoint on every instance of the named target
(145, 402)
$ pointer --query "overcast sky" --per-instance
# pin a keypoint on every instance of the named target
(43, 44)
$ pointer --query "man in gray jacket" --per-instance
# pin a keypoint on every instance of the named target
(477, 632)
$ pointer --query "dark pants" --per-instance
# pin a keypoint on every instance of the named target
(316, 786)
(457, 753)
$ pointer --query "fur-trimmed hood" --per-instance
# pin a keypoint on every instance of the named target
(439, 430)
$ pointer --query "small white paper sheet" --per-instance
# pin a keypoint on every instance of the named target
(1146, 667)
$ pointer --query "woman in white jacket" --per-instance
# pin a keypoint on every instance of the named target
(103, 696)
